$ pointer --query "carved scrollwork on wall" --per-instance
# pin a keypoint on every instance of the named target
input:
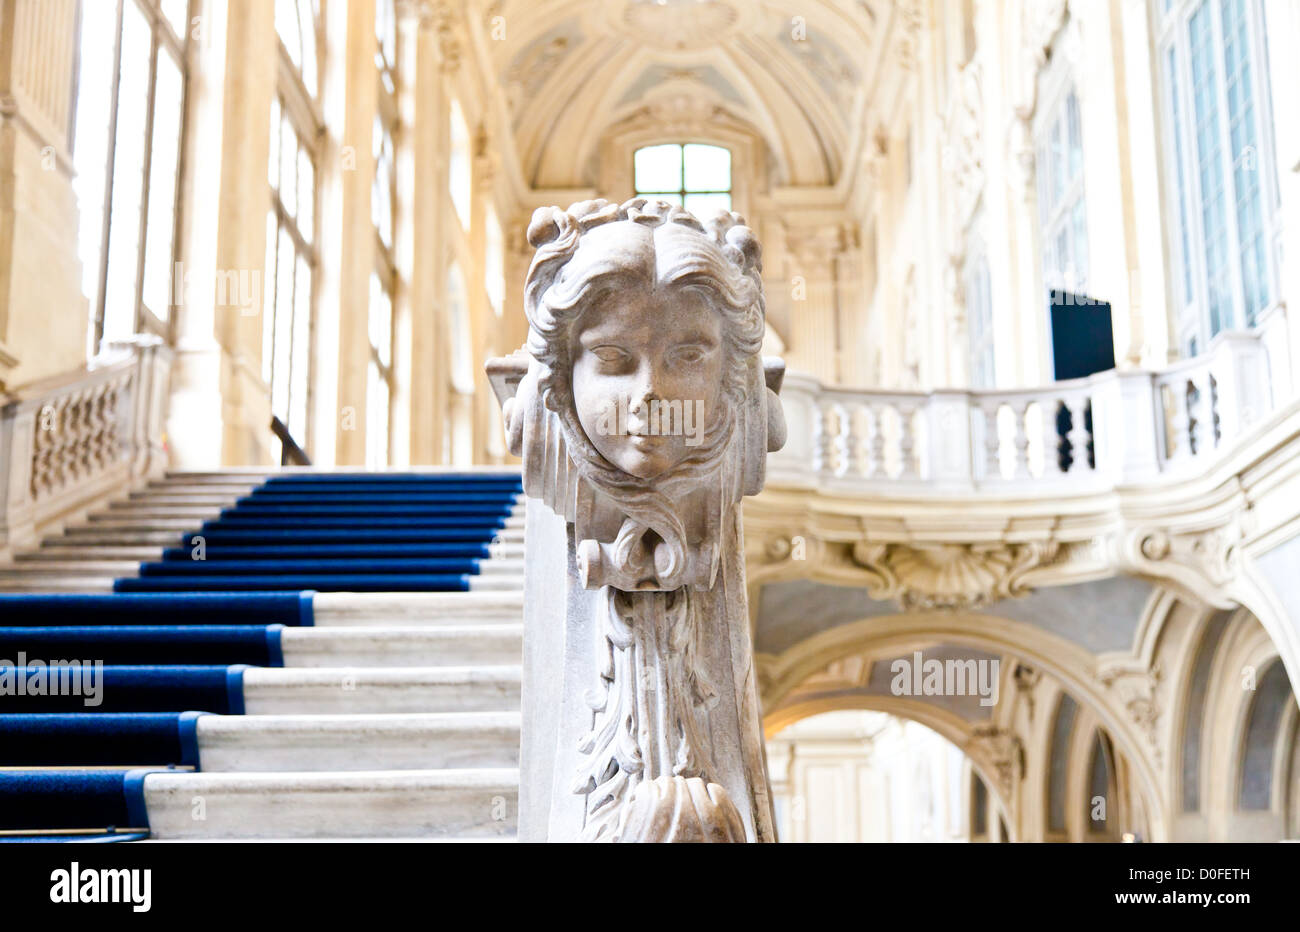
(950, 576)
(1004, 749)
(1204, 561)
(1137, 690)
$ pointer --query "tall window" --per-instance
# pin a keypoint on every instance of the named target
(130, 108)
(696, 176)
(459, 172)
(383, 280)
(1062, 212)
(291, 256)
(1213, 57)
(977, 286)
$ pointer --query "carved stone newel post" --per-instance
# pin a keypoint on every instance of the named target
(643, 414)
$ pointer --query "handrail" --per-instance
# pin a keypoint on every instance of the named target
(290, 453)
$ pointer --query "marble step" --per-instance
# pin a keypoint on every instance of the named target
(66, 585)
(426, 646)
(344, 609)
(57, 550)
(427, 741)
(89, 535)
(370, 690)
(370, 804)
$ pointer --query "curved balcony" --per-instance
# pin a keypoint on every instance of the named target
(1116, 428)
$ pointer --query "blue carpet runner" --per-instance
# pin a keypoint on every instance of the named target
(97, 690)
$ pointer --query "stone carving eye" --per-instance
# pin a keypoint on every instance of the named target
(689, 355)
(611, 355)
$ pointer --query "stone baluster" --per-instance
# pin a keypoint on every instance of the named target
(1078, 434)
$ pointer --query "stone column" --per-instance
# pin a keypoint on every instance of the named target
(814, 343)
(641, 718)
(422, 196)
(350, 95)
(43, 314)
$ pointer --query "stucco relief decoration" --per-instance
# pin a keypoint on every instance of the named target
(679, 25)
(643, 417)
(950, 575)
(1202, 560)
(962, 156)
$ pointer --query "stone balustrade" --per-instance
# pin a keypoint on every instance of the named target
(1114, 428)
(69, 441)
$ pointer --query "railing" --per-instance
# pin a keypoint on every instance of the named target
(291, 454)
(69, 441)
(1105, 430)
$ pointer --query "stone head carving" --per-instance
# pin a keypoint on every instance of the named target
(643, 414)
(645, 326)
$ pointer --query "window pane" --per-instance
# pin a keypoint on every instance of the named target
(706, 205)
(160, 231)
(1214, 219)
(1075, 133)
(288, 165)
(273, 162)
(658, 168)
(177, 17)
(272, 292)
(307, 28)
(128, 172)
(301, 351)
(306, 195)
(94, 102)
(1246, 160)
(381, 321)
(376, 417)
(459, 177)
(708, 168)
(1175, 104)
(282, 341)
(286, 25)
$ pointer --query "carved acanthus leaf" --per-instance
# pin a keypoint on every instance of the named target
(1137, 690)
(1005, 751)
(950, 576)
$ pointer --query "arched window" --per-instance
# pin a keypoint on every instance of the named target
(1099, 814)
(1059, 763)
(1263, 741)
(291, 257)
(1059, 166)
(1214, 63)
(696, 176)
(130, 108)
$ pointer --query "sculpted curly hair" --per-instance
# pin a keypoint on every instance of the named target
(719, 258)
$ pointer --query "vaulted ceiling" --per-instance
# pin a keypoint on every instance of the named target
(795, 73)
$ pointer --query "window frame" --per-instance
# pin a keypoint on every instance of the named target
(387, 128)
(1180, 163)
(161, 38)
(301, 110)
(683, 192)
(1057, 87)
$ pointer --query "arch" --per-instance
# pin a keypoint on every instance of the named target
(1073, 666)
(953, 728)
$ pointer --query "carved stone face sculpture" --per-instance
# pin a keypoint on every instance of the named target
(645, 324)
(647, 375)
